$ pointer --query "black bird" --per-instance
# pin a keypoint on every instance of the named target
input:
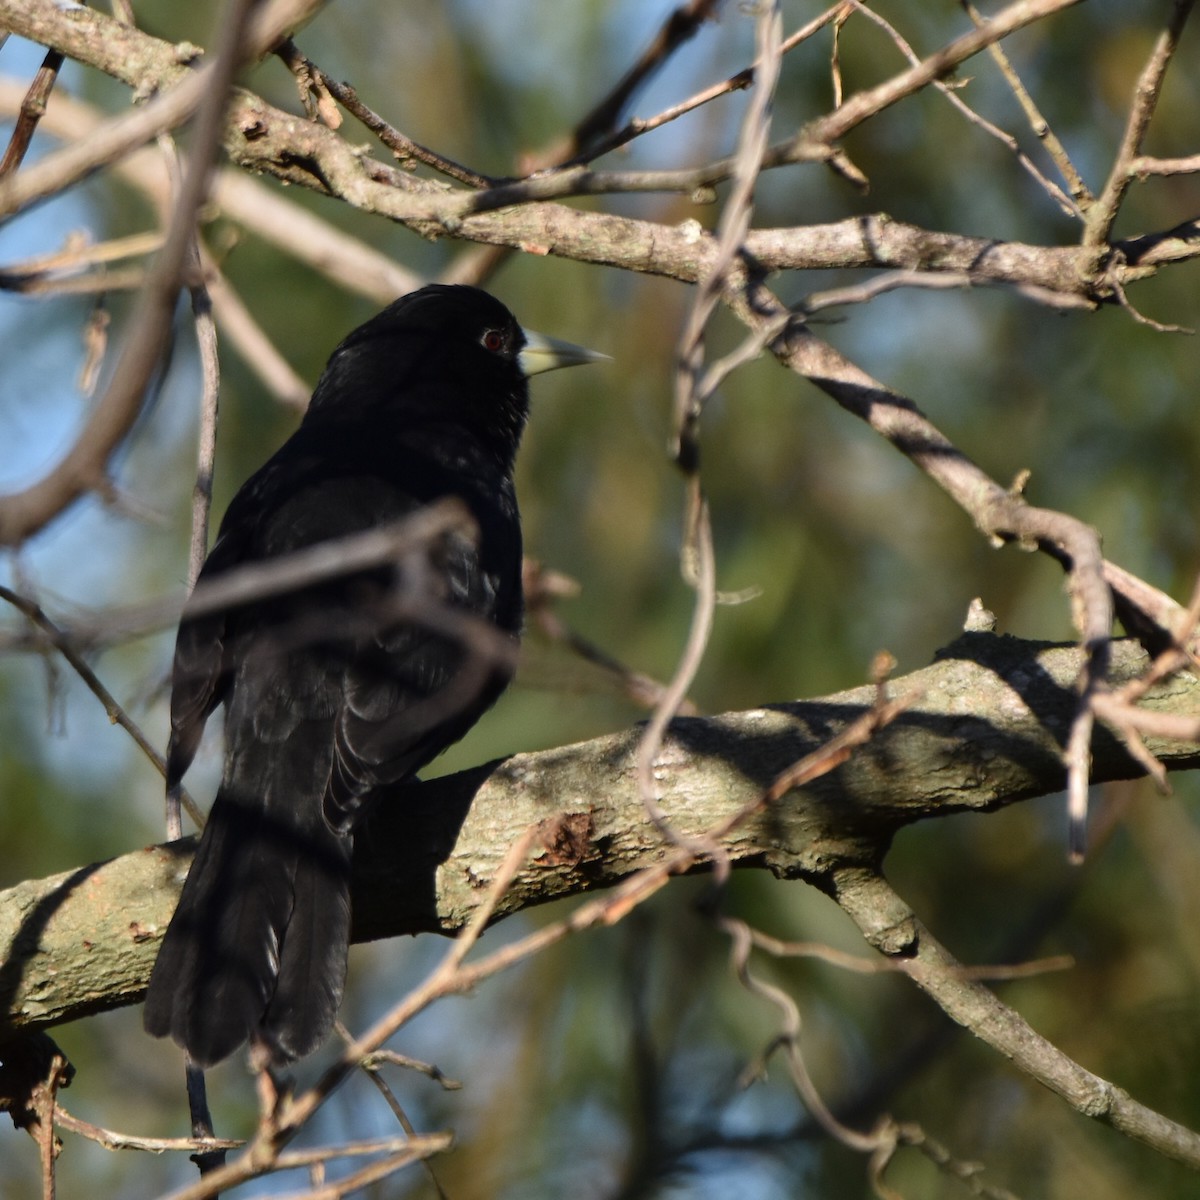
(325, 697)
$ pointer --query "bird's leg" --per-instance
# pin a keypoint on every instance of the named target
(207, 1160)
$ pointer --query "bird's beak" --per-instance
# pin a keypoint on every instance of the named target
(541, 353)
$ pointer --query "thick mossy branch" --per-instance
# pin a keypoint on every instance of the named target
(986, 731)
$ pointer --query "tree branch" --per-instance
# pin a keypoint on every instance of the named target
(893, 928)
(988, 731)
(267, 140)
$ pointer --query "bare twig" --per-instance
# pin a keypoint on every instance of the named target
(429, 1070)
(1079, 190)
(95, 343)
(1142, 165)
(680, 26)
(96, 283)
(837, 750)
(210, 379)
(732, 229)
(1102, 215)
(883, 966)
(393, 542)
(398, 1153)
(403, 147)
(863, 105)
(1122, 298)
(1124, 715)
(210, 372)
(835, 55)
(33, 108)
(541, 587)
(863, 293)
(1064, 202)
(698, 540)
(314, 92)
(111, 1140)
(62, 641)
(1120, 708)
(32, 1071)
(587, 147)
(890, 925)
(64, 168)
(326, 560)
(76, 255)
(1077, 754)
(887, 1135)
(880, 1143)
(371, 1065)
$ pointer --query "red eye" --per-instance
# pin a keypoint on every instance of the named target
(493, 340)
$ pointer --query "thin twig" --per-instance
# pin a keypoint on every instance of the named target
(111, 1140)
(399, 1153)
(856, 963)
(864, 293)
(739, 81)
(699, 542)
(429, 1070)
(33, 108)
(1080, 193)
(76, 255)
(98, 283)
(1102, 215)
(401, 145)
(863, 105)
(314, 92)
(370, 1064)
(95, 343)
(1120, 709)
(1142, 165)
(541, 587)
(889, 924)
(679, 27)
(256, 581)
(1064, 202)
(61, 640)
(788, 1036)
(210, 378)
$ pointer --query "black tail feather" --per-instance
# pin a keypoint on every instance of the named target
(257, 946)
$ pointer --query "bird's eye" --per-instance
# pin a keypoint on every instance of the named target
(493, 340)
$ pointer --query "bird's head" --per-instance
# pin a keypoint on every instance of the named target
(445, 355)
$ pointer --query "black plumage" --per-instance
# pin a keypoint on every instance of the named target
(326, 695)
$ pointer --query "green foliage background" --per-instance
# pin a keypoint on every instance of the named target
(610, 1067)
